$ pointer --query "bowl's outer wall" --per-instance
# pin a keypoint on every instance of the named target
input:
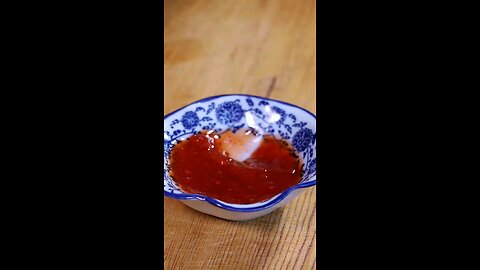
(213, 210)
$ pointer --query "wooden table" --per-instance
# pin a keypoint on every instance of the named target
(265, 48)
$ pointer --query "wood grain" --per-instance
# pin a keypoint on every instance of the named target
(265, 48)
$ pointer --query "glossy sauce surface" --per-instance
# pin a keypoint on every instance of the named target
(200, 165)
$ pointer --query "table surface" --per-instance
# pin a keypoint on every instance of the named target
(265, 48)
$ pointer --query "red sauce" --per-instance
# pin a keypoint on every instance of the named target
(199, 167)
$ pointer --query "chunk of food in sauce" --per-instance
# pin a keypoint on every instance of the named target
(239, 147)
(239, 168)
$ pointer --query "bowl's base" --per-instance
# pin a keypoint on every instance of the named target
(212, 210)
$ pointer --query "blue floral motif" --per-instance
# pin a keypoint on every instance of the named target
(284, 135)
(300, 125)
(211, 107)
(288, 128)
(282, 114)
(263, 103)
(190, 120)
(229, 113)
(166, 149)
(294, 118)
(302, 139)
(312, 166)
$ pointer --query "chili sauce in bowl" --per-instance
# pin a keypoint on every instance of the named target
(238, 157)
(237, 168)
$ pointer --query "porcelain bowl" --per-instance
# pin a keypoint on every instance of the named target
(285, 121)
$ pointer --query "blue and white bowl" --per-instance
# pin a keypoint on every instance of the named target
(220, 113)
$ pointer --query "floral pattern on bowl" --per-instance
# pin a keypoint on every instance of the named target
(285, 121)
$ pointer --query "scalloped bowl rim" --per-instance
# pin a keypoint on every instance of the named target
(270, 203)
